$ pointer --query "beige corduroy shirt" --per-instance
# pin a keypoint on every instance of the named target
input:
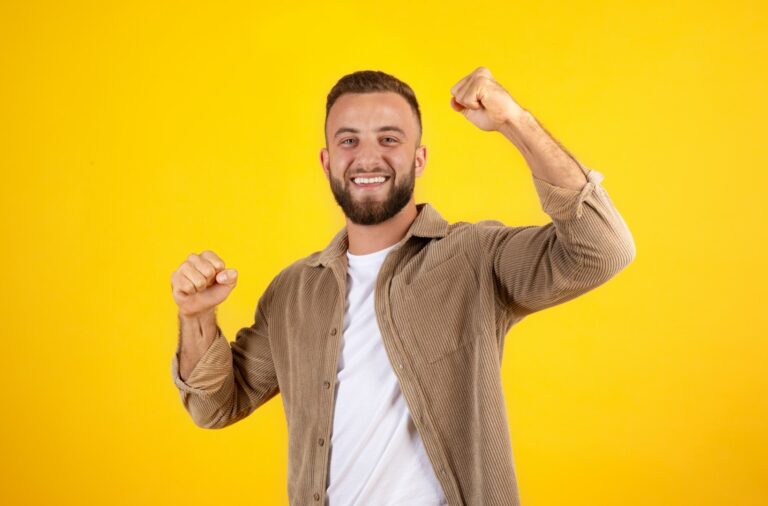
(445, 298)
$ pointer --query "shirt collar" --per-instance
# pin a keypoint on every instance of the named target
(428, 223)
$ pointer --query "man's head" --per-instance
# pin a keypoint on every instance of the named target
(372, 128)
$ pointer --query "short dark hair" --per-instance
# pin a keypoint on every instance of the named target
(371, 81)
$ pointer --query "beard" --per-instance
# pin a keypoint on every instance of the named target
(371, 210)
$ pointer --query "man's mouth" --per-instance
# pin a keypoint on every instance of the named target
(370, 182)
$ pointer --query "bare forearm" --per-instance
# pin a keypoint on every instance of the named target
(196, 333)
(546, 158)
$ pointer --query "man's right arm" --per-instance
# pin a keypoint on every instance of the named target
(196, 334)
(219, 382)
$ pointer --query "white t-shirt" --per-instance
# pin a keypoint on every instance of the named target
(377, 457)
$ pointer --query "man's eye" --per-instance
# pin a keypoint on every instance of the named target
(387, 139)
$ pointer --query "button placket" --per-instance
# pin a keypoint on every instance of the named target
(416, 411)
(339, 270)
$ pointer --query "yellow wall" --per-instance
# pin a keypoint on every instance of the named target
(135, 133)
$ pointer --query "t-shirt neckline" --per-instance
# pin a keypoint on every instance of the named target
(369, 257)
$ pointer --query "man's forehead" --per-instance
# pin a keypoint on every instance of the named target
(369, 110)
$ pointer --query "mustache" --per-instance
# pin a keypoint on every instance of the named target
(379, 170)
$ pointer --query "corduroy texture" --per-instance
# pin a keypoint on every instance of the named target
(445, 299)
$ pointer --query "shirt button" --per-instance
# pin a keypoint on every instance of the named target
(320, 441)
(316, 496)
(333, 331)
(327, 384)
(400, 365)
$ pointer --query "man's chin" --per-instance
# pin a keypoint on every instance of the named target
(368, 209)
(370, 199)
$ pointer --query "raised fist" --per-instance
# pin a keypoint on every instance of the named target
(483, 101)
(201, 283)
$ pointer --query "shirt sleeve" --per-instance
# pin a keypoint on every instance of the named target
(230, 380)
(586, 243)
(210, 372)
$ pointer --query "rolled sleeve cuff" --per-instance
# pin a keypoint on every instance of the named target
(210, 372)
(566, 203)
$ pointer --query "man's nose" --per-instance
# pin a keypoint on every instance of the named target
(368, 157)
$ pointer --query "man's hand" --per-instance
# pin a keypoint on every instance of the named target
(483, 101)
(487, 104)
(201, 283)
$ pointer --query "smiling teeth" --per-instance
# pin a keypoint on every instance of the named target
(366, 180)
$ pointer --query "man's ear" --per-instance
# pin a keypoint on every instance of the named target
(325, 161)
(420, 159)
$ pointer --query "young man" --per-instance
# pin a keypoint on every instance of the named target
(386, 345)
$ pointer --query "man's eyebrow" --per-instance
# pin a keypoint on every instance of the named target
(380, 129)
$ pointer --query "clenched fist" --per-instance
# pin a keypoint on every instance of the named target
(201, 283)
(483, 101)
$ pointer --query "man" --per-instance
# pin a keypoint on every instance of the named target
(386, 346)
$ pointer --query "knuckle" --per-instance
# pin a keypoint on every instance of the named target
(213, 259)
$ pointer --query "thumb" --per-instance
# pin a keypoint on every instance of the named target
(227, 277)
(456, 105)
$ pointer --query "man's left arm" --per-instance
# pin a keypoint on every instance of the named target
(587, 242)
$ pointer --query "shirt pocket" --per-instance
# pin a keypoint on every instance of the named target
(440, 302)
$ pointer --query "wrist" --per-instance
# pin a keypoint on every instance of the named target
(516, 119)
(199, 326)
(518, 127)
(207, 315)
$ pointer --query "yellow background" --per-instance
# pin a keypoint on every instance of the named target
(135, 133)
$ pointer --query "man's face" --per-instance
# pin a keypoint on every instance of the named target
(372, 135)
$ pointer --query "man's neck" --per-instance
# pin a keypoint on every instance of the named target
(365, 239)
